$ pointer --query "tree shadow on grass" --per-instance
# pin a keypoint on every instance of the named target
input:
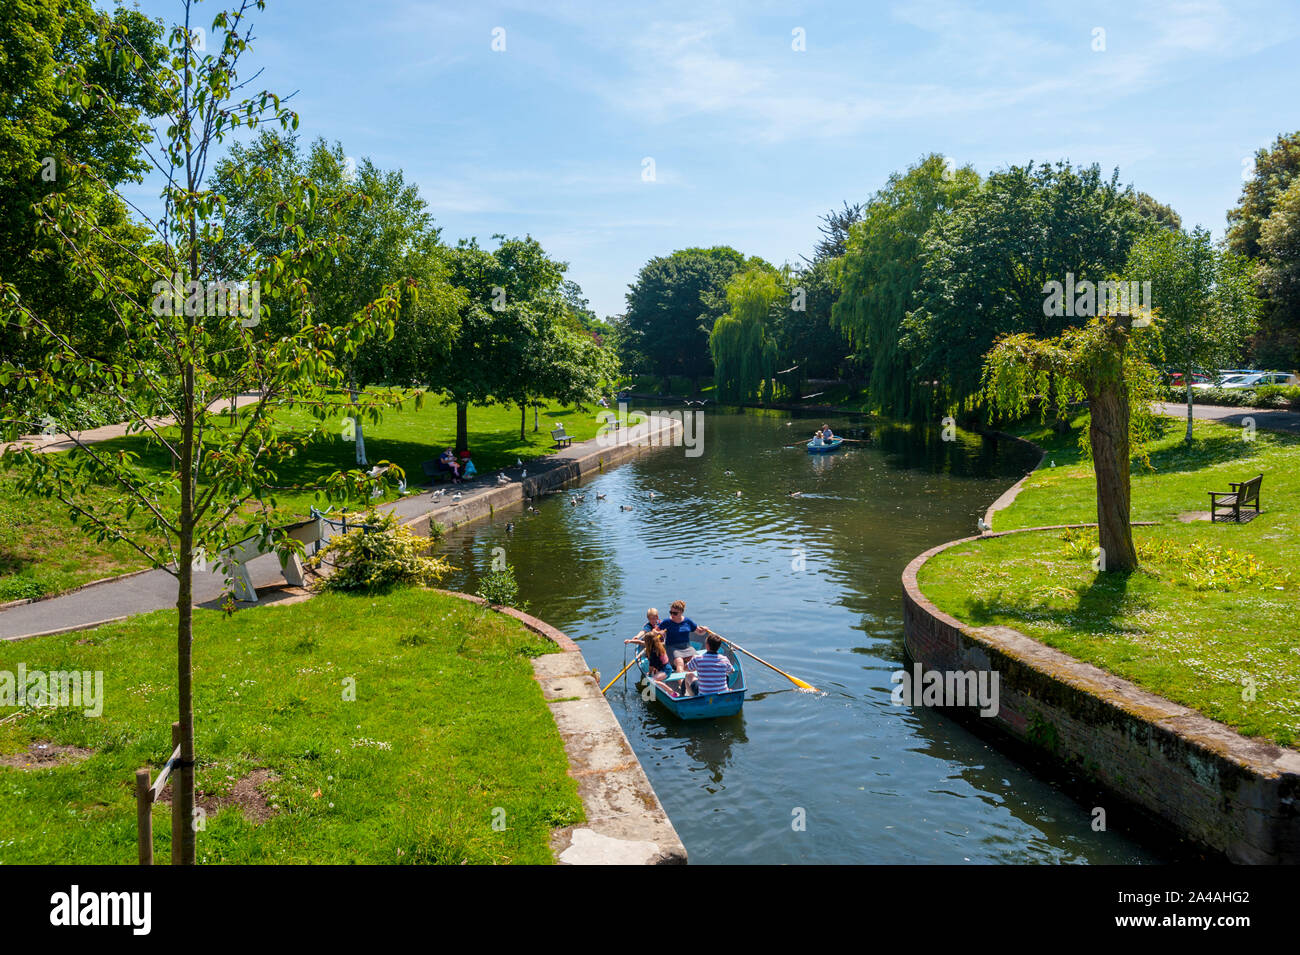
(1204, 451)
(1098, 608)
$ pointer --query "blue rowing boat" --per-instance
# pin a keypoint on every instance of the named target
(707, 707)
(826, 447)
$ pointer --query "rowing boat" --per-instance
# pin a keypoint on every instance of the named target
(825, 447)
(708, 706)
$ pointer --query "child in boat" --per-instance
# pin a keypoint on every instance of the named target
(651, 623)
(657, 656)
(711, 668)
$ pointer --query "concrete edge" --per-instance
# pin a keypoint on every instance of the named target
(1185, 746)
(626, 823)
(557, 472)
(1010, 494)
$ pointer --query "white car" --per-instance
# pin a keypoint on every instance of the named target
(1225, 381)
(1240, 382)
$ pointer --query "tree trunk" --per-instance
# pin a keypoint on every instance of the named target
(523, 420)
(534, 419)
(359, 428)
(1110, 462)
(462, 426)
(1187, 375)
(183, 785)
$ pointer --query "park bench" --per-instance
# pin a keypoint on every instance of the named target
(435, 474)
(238, 555)
(1245, 494)
(561, 439)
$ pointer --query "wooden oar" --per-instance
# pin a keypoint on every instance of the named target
(793, 679)
(622, 671)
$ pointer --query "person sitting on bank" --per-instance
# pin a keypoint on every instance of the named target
(711, 668)
(677, 630)
(449, 464)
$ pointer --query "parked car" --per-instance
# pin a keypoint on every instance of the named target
(1198, 378)
(1260, 378)
(1224, 381)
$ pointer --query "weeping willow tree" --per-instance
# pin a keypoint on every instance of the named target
(1096, 362)
(744, 356)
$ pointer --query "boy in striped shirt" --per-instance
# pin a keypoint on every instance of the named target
(710, 667)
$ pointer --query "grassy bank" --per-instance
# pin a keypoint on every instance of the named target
(448, 733)
(42, 552)
(1208, 619)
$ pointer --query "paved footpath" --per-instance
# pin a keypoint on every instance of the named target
(50, 443)
(151, 590)
(1266, 418)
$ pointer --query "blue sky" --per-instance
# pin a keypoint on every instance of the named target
(751, 139)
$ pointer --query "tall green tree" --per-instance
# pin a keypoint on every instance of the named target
(988, 266)
(1204, 296)
(183, 344)
(56, 143)
(1276, 171)
(1099, 362)
(672, 307)
(880, 274)
(1279, 246)
(388, 234)
(744, 354)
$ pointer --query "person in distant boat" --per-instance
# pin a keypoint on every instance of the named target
(827, 434)
(710, 668)
(677, 630)
(816, 441)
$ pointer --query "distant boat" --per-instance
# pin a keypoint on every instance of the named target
(708, 706)
(825, 447)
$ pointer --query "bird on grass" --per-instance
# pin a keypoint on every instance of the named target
(984, 528)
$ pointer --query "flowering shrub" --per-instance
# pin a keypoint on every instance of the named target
(377, 556)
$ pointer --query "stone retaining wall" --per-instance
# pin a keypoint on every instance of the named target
(1237, 796)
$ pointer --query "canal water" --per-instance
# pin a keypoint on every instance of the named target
(810, 583)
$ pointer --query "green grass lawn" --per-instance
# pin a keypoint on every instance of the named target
(42, 552)
(1209, 619)
(448, 733)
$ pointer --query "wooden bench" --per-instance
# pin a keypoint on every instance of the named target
(1242, 495)
(561, 439)
(435, 474)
